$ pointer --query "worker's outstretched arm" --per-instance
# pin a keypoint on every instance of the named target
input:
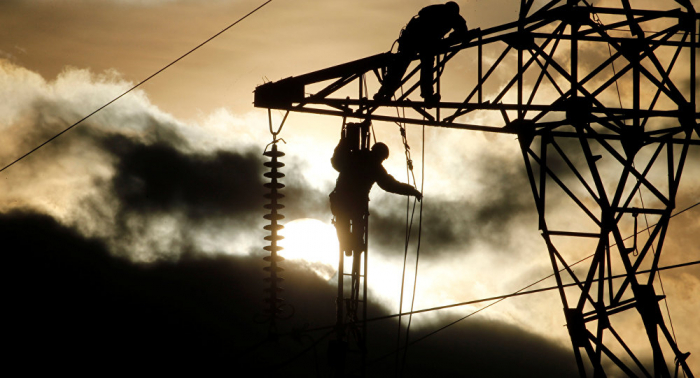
(390, 184)
(460, 32)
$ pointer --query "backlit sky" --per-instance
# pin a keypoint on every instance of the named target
(145, 222)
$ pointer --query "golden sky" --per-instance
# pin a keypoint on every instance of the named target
(59, 60)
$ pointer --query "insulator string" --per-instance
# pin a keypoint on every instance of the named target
(274, 303)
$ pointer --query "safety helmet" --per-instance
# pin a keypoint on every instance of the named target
(380, 150)
(454, 7)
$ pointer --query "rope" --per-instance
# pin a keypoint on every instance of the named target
(596, 19)
(420, 229)
(409, 227)
(371, 125)
(402, 130)
(617, 87)
(134, 87)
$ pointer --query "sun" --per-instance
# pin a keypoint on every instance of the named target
(313, 242)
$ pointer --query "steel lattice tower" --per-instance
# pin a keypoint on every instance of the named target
(615, 162)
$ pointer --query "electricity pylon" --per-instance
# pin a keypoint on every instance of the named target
(614, 160)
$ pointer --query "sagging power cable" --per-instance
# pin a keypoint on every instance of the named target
(521, 291)
(499, 299)
(133, 88)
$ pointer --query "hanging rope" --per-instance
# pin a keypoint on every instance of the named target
(420, 232)
(596, 19)
(371, 125)
(409, 227)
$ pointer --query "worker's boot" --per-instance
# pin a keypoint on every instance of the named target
(382, 95)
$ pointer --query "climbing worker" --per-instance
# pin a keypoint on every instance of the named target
(358, 171)
(421, 36)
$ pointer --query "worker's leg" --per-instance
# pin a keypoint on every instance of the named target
(394, 74)
(342, 229)
(427, 61)
(357, 236)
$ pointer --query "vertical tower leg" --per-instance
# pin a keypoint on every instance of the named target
(349, 350)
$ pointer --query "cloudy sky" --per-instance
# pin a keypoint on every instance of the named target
(136, 238)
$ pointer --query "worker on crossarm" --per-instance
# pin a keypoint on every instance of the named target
(422, 36)
(358, 171)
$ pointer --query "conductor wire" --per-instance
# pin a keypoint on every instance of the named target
(132, 88)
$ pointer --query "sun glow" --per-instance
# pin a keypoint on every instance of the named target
(313, 242)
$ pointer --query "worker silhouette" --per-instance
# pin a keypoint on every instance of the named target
(422, 36)
(359, 168)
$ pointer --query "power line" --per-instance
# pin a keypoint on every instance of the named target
(518, 293)
(501, 298)
(521, 292)
(135, 86)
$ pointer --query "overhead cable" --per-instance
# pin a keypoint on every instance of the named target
(521, 291)
(134, 87)
(498, 299)
(518, 293)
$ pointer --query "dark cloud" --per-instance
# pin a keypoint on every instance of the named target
(219, 189)
(133, 173)
(504, 204)
(159, 178)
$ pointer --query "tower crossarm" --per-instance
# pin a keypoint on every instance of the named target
(520, 77)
